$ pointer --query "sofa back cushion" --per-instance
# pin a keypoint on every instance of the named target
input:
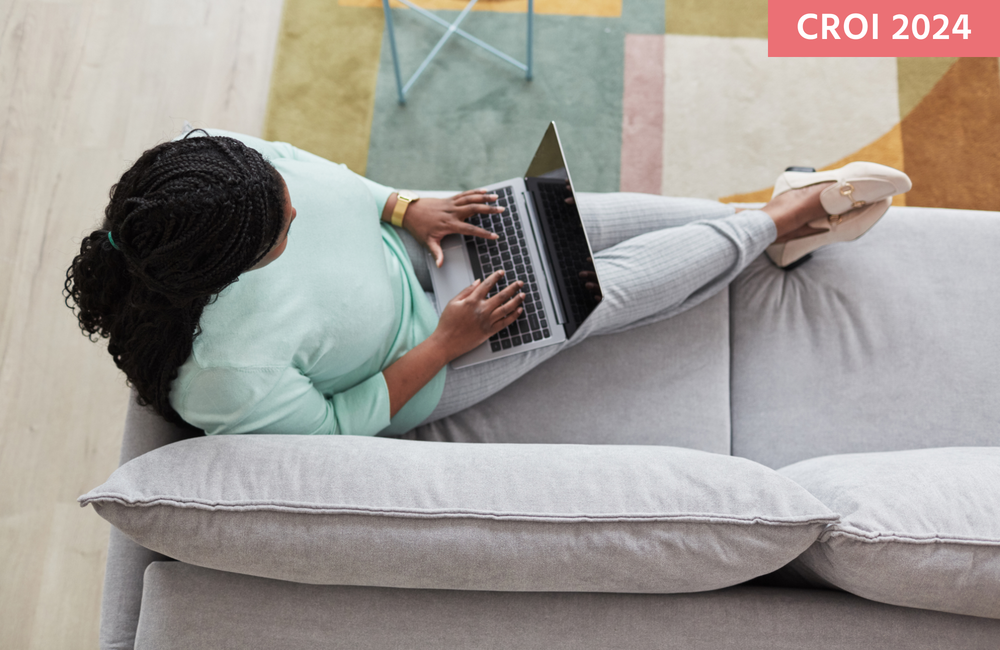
(396, 513)
(918, 528)
(662, 384)
(885, 343)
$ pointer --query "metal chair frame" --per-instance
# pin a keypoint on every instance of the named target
(451, 28)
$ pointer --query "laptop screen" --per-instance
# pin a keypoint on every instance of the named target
(568, 248)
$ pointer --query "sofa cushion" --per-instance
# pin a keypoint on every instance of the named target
(398, 513)
(662, 384)
(190, 608)
(885, 343)
(919, 528)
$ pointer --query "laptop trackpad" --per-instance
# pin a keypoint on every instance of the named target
(456, 273)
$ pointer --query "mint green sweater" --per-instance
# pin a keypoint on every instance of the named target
(299, 346)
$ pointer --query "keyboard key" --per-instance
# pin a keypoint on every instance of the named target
(545, 333)
(505, 343)
(544, 322)
(496, 347)
(533, 320)
(535, 335)
(517, 258)
(515, 340)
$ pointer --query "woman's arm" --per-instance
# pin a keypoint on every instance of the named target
(469, 319)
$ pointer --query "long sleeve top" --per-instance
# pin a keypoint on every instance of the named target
(299, 345)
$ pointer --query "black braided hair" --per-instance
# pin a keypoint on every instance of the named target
(187, 219)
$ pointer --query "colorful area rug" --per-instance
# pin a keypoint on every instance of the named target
(674, 97)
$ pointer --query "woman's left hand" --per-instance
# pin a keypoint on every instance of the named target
(430, 220)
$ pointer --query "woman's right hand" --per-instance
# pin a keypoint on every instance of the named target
(472, 317)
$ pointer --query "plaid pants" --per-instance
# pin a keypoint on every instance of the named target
(656, 257)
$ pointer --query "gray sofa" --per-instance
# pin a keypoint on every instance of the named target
(808, 460)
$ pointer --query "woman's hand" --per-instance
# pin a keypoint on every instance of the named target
(472, 317)
(430, 220)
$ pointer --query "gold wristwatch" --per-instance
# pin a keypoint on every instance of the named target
(403, 200)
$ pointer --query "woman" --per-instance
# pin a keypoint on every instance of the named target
(221, 318)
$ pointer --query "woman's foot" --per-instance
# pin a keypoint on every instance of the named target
(826, 207)
(792, 211)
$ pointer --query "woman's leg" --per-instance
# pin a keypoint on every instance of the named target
(698, 249)
(611, 218)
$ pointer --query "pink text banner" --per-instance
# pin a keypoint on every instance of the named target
(883, 28)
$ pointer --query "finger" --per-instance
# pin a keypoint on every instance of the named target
(480, 208)
(469, 193)
(507, 320)
(488, 283)
(476, 231)
(466, 292)
(434, 247)
(506, 294)
(477, 196)
(509, 307)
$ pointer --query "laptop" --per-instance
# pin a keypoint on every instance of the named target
(542, 242)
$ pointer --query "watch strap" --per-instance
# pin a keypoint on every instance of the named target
(403, 202)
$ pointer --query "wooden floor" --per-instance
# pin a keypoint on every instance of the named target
(85, 87)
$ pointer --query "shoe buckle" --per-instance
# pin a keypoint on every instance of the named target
(847, 190)
(835, 219)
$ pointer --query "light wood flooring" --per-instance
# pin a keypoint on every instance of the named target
(85, 87)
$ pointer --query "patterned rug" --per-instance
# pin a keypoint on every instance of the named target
(675, 97)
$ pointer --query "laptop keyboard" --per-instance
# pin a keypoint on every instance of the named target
(509, 253)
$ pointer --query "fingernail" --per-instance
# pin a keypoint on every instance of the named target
(496, 236)
(501, 208)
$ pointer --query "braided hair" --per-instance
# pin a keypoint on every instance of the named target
(183, 223)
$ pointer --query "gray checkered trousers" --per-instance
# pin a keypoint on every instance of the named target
(656, 257)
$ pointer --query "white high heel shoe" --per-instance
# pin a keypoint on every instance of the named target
(861, 193)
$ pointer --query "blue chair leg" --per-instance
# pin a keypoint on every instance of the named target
(395, 56)
(531, 34)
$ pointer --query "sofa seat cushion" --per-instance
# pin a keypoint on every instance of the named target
(880, 344)
(398, 513)
(919, 528)
(190, 608)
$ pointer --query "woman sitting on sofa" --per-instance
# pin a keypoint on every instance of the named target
(224, 315)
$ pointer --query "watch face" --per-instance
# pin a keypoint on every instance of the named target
(407, 195)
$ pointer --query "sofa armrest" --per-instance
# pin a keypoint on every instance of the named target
(127, 560)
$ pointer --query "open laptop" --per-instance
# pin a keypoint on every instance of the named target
(542, 242)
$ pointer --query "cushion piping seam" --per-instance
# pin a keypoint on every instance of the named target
(456, 513)
(882, 538)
